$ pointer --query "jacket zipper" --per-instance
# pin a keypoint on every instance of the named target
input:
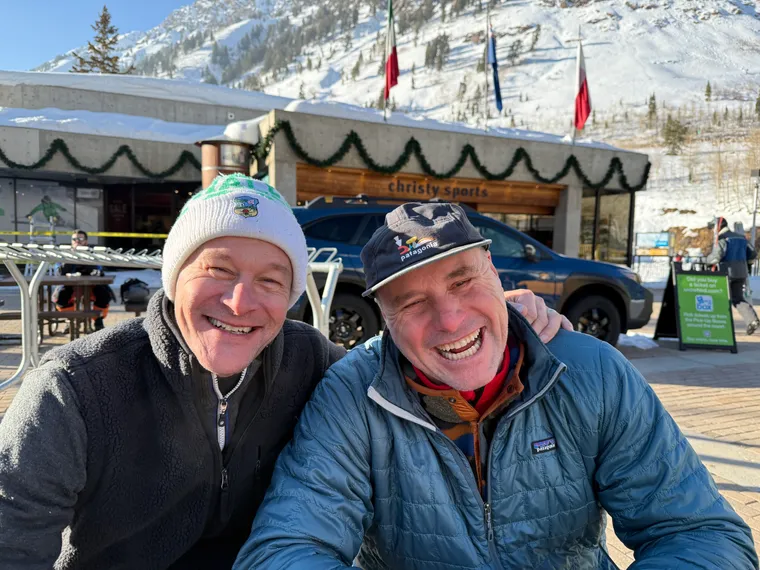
(465, 467)
(223, 400)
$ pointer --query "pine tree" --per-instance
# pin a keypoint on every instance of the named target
(674, 135)
(414, 68)
(725, 114)
(301, 91)
(708, 92)
(715, 117)
(593, 117)
(757, 106)
(512, 122)
(357, 69)
(413, 86)
(740, 116)
(652, 111)
(481, 64)
(100, 57)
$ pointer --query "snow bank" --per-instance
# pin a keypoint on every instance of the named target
(637, 341)
(107, 124)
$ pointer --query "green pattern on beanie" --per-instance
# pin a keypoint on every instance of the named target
(227, 184)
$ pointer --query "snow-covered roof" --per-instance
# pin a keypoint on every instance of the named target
(170, 89)
(352, 112)
(107, 125)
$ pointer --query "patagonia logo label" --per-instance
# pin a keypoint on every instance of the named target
(549, 444)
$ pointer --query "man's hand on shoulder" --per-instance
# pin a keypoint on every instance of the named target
(545, 321)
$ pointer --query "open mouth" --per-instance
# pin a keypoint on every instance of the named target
(229, 328)
(463, 348)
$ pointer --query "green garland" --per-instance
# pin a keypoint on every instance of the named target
(59, 145)
(412, 147)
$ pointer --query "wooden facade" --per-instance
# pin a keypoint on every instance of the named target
(485, 195)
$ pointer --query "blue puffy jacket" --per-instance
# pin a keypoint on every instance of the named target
(368, 468)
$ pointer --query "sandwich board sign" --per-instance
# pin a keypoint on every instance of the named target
(696, 309)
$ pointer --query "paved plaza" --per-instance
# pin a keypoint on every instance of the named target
(714, 397)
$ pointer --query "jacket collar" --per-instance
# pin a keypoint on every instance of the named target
(390, 391)
(175, 358)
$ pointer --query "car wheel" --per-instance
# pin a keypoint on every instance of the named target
(596, 316)
(352, 321)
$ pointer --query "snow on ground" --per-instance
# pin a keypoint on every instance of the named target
(107, 124)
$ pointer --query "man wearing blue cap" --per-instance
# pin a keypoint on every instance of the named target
(460, 440)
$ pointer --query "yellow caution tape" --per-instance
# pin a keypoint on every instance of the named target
(94, 234)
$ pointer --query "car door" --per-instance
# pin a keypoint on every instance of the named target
(518, 270)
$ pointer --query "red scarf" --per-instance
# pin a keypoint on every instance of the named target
(490, 391)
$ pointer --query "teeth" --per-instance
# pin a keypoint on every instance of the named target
(228, 328)
(462, 355)
(460, 343)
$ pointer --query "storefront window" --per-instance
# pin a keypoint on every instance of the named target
(7, 210)
(612, 228)
(539, 227)
(44, 206)
(588, 215)
(89, 211)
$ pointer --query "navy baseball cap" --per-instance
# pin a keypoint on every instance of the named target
(414, 235)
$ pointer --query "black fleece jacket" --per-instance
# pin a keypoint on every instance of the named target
(109, 459)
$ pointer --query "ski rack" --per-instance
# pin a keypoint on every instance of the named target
(321, 260)
(45, 257)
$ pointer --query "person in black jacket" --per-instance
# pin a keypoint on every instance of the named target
(733, 253)
(102, 293)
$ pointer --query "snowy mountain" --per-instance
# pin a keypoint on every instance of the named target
(334, 50)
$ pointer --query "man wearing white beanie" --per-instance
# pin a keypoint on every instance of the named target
(151, 444)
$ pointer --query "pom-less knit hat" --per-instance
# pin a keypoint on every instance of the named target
(235, 206)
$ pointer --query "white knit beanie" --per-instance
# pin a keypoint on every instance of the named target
(235, 206)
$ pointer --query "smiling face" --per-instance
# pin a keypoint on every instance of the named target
(449, 319)
(231, 300)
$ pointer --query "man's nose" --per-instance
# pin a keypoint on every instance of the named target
(240, 298)
(449, 315)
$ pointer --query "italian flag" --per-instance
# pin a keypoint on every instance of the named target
(582, 96)
(391, 64)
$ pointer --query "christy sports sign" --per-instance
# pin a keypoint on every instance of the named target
(696, 309)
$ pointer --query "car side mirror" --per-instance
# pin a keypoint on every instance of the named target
(531, 254)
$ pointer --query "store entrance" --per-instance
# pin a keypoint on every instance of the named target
(144, 209)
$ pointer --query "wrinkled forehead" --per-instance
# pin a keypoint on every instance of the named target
(434, 277)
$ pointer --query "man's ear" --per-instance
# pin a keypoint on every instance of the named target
(492, 267)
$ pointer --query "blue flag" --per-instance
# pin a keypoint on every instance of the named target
(493, 63)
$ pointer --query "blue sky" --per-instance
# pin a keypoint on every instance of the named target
(34, 31)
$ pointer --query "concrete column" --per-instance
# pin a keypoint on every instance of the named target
(282, 175)
(567, 220)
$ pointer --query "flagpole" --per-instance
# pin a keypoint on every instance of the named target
(577, 81)
(485, 64)
(385, 63)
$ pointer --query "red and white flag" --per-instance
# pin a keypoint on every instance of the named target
(582, 95)
(391, 64)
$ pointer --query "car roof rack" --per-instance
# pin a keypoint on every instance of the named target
(364, 200)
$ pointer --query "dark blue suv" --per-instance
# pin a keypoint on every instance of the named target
(599, 298)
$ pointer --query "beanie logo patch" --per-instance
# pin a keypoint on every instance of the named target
(246, 206)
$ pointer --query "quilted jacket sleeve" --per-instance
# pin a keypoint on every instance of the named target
(319, 506)
(664, 503)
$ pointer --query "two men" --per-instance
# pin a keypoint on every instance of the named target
(460, 440)
(151, 444)
(102, 293)
(733, 253)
